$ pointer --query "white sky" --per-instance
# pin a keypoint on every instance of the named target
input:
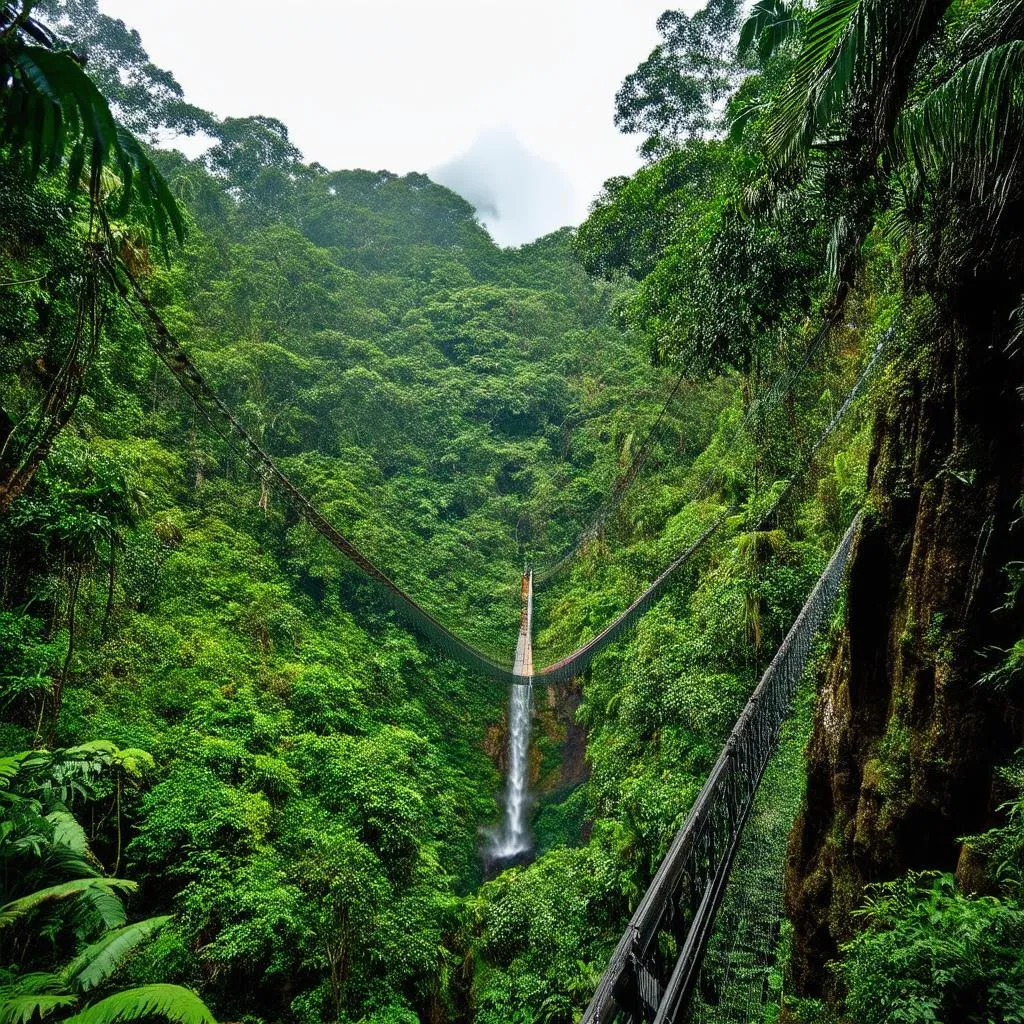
(410, 85)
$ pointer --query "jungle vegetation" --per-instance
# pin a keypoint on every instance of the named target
(235, 786)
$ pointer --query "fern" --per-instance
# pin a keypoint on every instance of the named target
(172, 1002)
(100, 893)
(23, 1009)
(69, 833)
(98, 961)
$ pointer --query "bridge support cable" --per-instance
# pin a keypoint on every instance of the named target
(174, 357)
(655, 966)
(781, 385)
(185, 372)
(573, 665)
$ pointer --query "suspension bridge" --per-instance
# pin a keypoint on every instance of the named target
(655, 967)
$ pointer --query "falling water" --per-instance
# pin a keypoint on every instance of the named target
(513, 840)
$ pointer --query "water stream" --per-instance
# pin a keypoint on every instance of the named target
(513, 839)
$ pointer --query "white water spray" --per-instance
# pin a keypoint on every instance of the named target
(514, 837)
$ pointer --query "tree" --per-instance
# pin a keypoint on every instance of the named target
(51, 112)
(672, 96)
(52, 115)
(146, 99)
(907, 116)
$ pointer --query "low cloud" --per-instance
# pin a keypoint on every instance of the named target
(518, 195)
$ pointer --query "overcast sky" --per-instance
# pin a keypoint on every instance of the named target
(512, 98)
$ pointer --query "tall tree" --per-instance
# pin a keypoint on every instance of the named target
(676, 93)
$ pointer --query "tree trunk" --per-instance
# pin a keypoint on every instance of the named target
(58, 686)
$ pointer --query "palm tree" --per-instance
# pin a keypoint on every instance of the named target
(846, 123)
(52, 113)
(852, 74)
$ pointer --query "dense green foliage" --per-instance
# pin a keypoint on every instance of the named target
(933, 952)
(305, 825)
(57, 902)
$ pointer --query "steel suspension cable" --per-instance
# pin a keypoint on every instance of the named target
(763, 402)
(573, 664)
(174, 357)
(224, 421)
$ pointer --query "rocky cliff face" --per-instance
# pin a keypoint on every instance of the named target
(901, 762)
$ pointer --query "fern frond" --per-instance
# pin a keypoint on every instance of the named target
(68, 832)
(13, 765)
(28, 1009)
(101, 893)
(98, 961)
(171, 1002)
(37, 983)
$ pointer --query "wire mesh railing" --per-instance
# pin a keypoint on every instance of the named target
(742, 971)
(656, 963)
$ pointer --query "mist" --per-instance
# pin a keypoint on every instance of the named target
(517, 194)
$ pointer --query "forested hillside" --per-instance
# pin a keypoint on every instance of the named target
(236, 784)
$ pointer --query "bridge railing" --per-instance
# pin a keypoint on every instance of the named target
(657, 962)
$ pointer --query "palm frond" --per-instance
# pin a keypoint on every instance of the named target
(739, 119)
(971, 124)
(172, 1002)
(820, 75)
(863, 45)
(840, 241)
(53, 111)
(768, 26)
(98, 961)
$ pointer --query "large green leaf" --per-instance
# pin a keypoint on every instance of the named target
(169, 1001)
(24, 1009)
(68, 832)
(972, 122)
(98, 961)
(53, 110)
(101, 893)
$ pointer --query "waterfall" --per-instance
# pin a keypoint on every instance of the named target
(513, 840)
